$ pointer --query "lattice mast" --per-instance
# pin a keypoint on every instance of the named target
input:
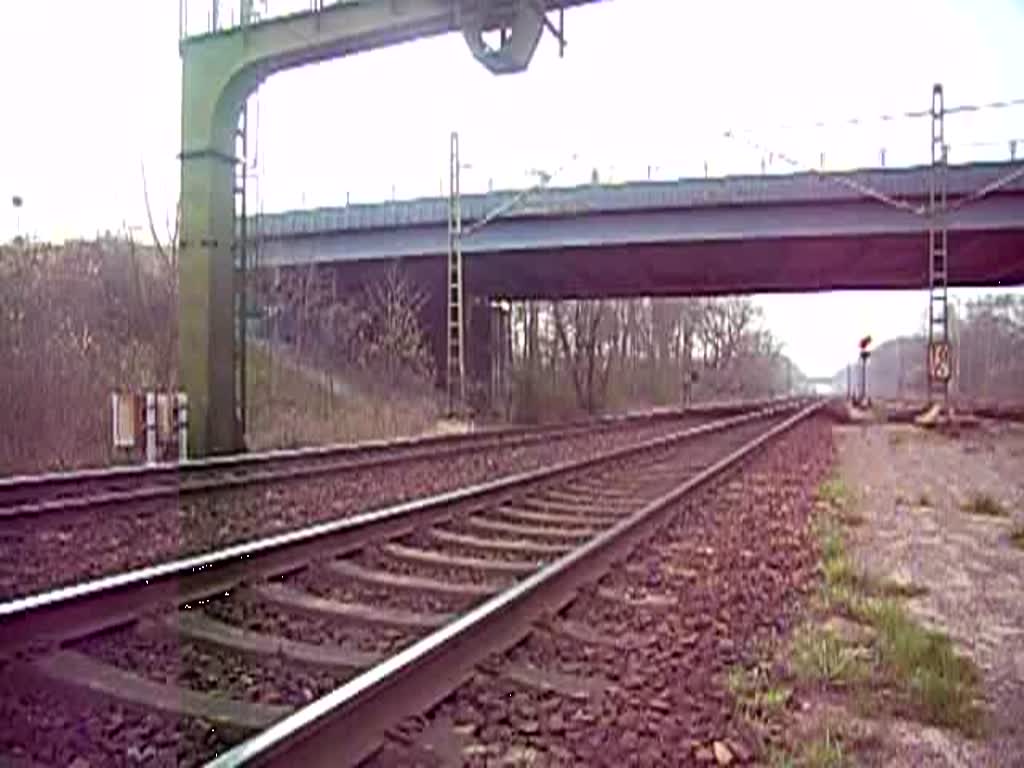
(938, 364)
(456, 368)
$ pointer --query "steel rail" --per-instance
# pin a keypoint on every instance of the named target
(114, 600)
(174, 479)
(347, 725)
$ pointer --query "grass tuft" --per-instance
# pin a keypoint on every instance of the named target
(758, 698)
(780, 759)
(937, 685)
(924, 500)
(834, 492)
(830, 535)
(896, 589)
(826, 751)
(820, 655)
(942, 684)
(985, 505)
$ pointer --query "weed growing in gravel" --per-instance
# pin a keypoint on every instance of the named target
(834, 492)
(831, 537)
(758, 698)
(937, 685)
(839, 589)
(779, 759)
(924, 500)
(897, 589)
(820, 655)
(1017, 537)
(825, 752)
(984, 504)
(844, 584)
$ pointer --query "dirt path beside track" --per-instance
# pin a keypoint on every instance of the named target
(919, 498)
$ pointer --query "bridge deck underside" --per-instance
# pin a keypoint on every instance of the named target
(747, 266)
(803, 264)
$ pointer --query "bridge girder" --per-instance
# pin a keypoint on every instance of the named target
(219, 72)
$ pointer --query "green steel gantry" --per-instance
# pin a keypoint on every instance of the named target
(219, 72)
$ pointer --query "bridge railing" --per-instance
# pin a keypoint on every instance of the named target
(203, 17)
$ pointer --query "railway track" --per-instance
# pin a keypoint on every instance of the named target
(161, 515)
(182, 661)
(32, 496)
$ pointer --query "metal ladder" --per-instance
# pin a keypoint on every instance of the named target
(242, 247)
(938, 256)
(241, 257)
(456, 377)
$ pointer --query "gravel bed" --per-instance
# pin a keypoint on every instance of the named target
(423, 541)
(58, 550)
(735, 562)
(567, 495)
(166, 658)
(461, 527)
(584, 504)
(333, 587)
(381, 561)
(259, 617)
(508, 516)
(43, 726)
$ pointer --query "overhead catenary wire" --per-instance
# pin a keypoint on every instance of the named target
(988, 105)
(886, 117)
(989, 144)
(516, 200)
(853, 184)
(868, 191)
(850, 183)
(881, 197)
(989, 188)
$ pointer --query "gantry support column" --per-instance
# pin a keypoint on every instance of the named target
(214, 90)
(206, 304)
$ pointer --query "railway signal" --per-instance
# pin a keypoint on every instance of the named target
(865, 352)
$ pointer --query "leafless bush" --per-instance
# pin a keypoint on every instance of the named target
(392, 341)
(80, 320)
(336, 367)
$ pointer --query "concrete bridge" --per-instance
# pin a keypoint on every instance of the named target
(801, 232)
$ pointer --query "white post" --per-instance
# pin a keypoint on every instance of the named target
(151, 427)
(113, 420)
(182, 426)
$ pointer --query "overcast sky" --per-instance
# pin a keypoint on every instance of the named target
(91, 93)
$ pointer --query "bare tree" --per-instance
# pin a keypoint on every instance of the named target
(635, 352)
(392, 339)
